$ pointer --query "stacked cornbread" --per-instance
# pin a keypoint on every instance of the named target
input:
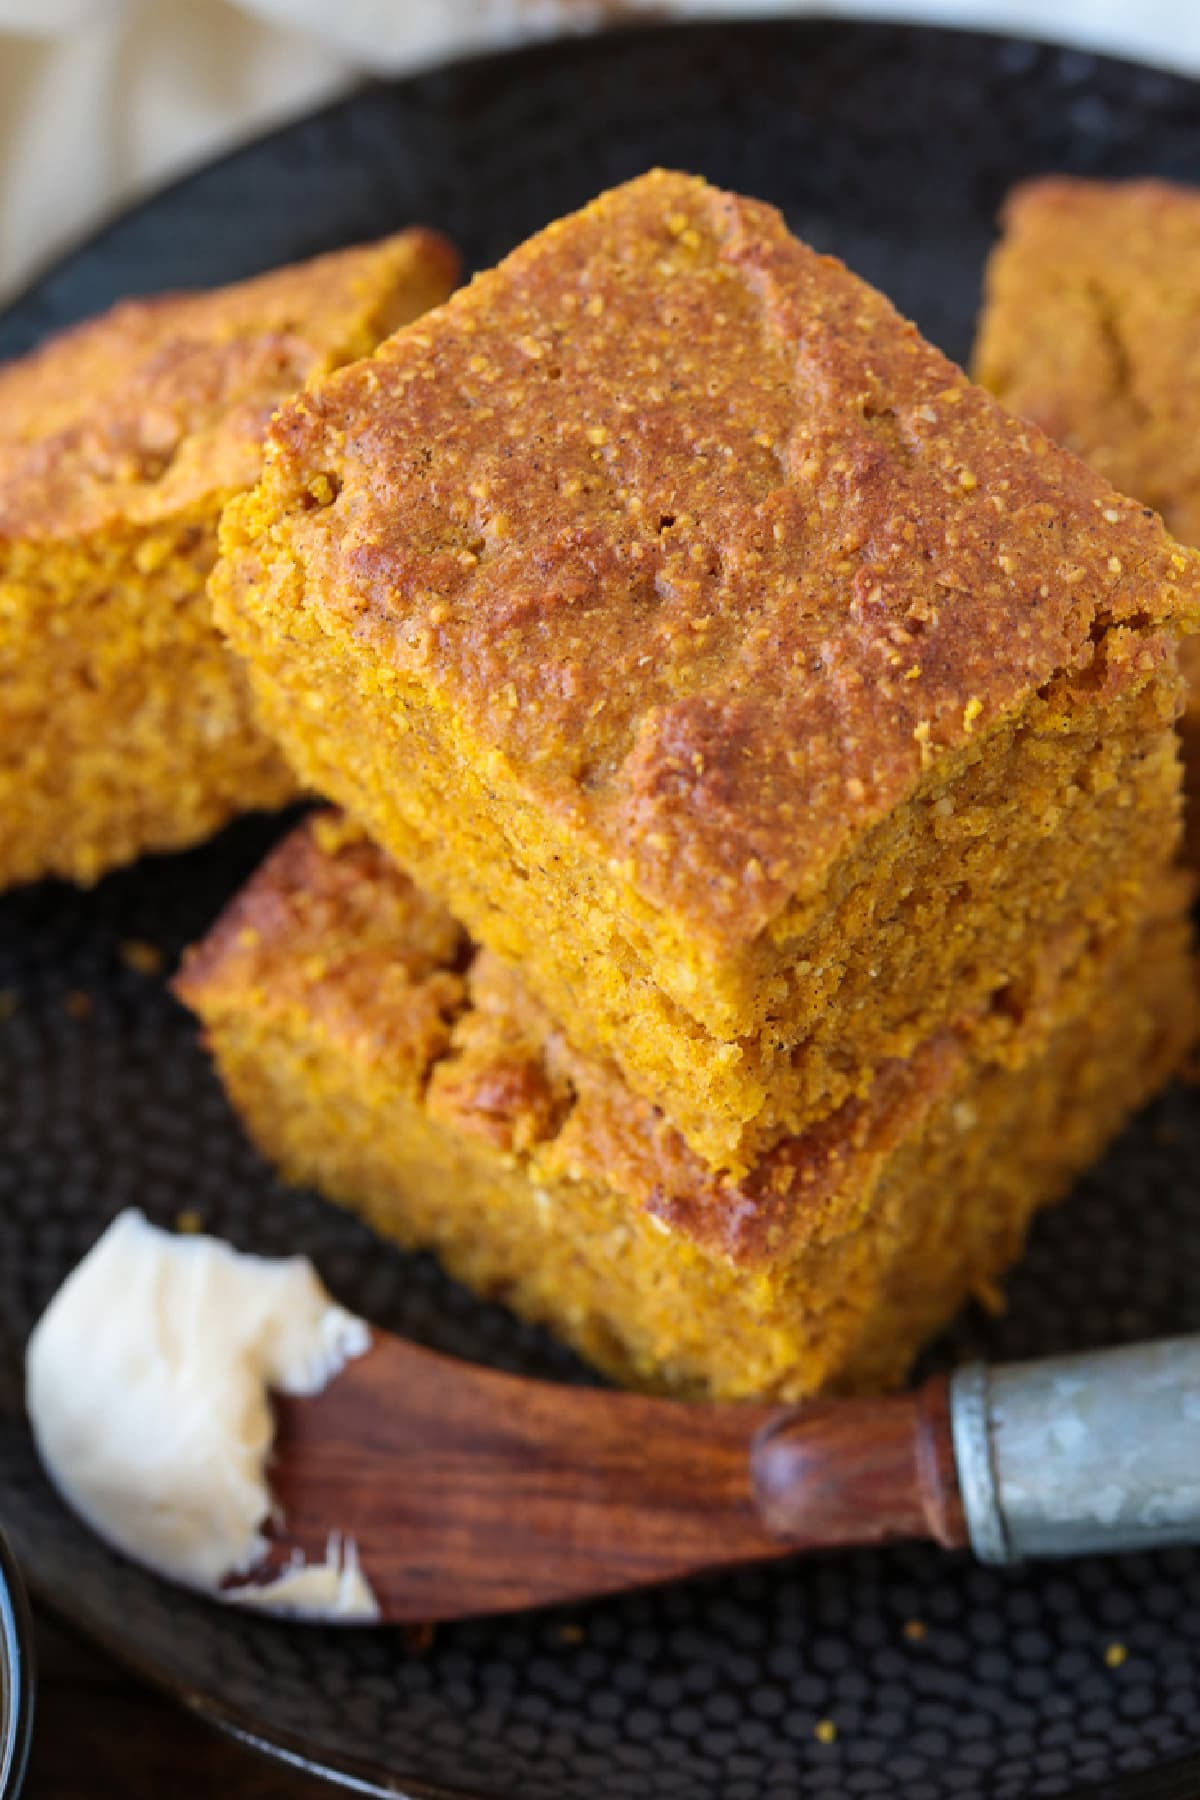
(125, 724)
(782, 738)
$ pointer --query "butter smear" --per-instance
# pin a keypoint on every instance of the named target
(147, 1384)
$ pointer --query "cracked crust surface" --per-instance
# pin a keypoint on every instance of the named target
(137, 416)
(688, 527)
(717, 652)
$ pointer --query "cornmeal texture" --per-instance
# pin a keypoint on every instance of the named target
(717, 652)
(373, 1052)
(125, 724)
(1091, 327)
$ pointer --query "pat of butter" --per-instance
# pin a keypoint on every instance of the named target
(147, 1383)
(333, 1589)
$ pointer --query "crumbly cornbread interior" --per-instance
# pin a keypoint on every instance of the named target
(1091, 328)
(717, 653)
(373, 1052)
(1061, 817)
(125, 723)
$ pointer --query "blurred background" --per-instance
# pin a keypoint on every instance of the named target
(101, 100)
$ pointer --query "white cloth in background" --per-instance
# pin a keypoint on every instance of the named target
(101, 100)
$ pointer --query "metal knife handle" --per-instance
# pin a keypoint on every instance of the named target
(1076, 1454)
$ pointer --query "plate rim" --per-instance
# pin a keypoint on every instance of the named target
(648, 27)
(20, 1674)
(351, 1775)
(1177, 1779)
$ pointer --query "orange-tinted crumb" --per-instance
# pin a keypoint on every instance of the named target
(375, 1054)
(142, 957)
(125, 723)
(1088, 329)
(718, 653)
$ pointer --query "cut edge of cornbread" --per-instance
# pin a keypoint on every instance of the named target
(1086, 328)
(756, 891)
(1082, 791)
(126, 724)
(372, 1055)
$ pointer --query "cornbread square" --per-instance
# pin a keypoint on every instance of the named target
(125, 724)
(717, 653)
(374, 1053)
(1091, 328)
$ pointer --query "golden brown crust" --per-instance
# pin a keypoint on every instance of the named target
(126, 724)
(160, 404)
(1091, 328)
(694, 532)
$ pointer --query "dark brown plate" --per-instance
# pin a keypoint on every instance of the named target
(893, 147)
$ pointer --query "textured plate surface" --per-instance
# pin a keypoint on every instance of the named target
(942, 1681)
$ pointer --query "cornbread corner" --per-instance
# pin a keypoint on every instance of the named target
(718, 653)
(1089, 328)
(125, 723)
(375, 1054)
